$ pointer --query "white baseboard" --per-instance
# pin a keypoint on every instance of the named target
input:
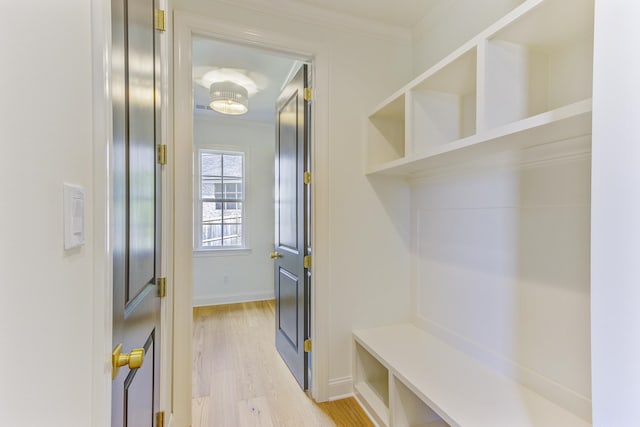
(232, 299)
(340, 388)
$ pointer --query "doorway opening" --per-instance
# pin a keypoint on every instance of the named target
(186, 28)
(251, 106)
(234, 175)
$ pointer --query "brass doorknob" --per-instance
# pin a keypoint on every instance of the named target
(275, 255)
(118, 359)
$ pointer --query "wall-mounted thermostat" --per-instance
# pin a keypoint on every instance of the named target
(73, 216)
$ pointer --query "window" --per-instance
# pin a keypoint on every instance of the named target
(220, 200)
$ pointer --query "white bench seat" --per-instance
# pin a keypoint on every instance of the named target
(462, 391)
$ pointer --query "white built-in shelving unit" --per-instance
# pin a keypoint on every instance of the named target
(525, 81)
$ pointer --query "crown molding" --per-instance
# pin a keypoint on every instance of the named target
(313, 15)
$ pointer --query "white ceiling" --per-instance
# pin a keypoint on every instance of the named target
(268, 71)
(271, 71)
(401, 13)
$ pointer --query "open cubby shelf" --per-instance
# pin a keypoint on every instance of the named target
(561, 124)
(525, 81)
(372, 384)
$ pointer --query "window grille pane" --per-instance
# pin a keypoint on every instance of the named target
(233, 236)
(211, 212)
(208, 187)
(232, 213)
(211, 234)
(217, 192)
(211, 164)
(233, 190)
(232, 165)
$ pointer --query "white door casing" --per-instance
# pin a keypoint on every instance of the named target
(185, 27)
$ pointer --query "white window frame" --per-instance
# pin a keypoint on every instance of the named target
(197, 205)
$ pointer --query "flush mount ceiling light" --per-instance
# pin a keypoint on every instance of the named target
(228, 98)
(252, 81)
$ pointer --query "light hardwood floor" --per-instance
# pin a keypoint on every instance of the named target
(240, 380)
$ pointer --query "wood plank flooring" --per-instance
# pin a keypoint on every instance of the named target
(240, 380)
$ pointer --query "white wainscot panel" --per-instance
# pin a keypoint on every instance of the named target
(513, 281)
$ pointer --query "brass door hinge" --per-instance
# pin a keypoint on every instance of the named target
(160, 419)
(308, 94)
(162, 286)
(307, 261)
(162, 154)
(307, 177)
(160, 20)
(307, 346)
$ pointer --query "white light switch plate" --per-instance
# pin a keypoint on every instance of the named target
(73, 216)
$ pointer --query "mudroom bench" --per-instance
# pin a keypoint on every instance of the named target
(404, 376)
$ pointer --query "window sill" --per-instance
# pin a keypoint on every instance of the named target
(205, 253)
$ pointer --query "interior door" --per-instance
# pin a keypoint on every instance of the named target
(135, 216)
(292, 279)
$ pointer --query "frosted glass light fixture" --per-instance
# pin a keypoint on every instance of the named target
(229, 98)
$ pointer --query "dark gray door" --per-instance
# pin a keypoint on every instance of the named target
(292, 279)
(136, 220)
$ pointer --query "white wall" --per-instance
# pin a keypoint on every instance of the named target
(47, 362)
(367, 267)
(502, 248)
(616, 212)
(502, 267)
(247, 275)
(450, 24)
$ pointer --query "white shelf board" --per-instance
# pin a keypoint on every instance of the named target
(373, 402)
(563, 123)
(458, 388)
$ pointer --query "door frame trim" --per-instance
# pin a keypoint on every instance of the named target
(187, 25)
(102, 119)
